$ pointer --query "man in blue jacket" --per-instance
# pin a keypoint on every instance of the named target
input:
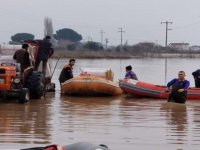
(179, 88)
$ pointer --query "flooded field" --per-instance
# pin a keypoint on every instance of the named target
(121, 122)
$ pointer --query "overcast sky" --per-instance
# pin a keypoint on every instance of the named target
(140, 19)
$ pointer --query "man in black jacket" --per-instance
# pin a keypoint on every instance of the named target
(66, 72)
(22, 57)
(45, 51)
(196, 75)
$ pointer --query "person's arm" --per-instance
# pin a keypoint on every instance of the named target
(126, 76)
(170, 83)
(51, 51)
(135, 77)
(14, 56)
(187, 85)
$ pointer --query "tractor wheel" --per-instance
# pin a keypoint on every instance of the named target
(24, 96)
(4, 94)
(35, 84)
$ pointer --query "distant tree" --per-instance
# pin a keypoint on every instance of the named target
(93, 46)
(19, 37)
(48, 30)
(68, 34)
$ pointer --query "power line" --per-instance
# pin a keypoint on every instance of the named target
(166, 35)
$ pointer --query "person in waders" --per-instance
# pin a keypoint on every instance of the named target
(178, 88)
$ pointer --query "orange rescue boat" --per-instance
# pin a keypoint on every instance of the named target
(92, 82)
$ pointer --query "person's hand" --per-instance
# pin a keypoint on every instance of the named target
(180, 90)
(167, 90)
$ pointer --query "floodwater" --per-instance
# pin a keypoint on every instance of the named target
(120, 122)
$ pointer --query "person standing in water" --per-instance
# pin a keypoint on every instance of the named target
(179, 88)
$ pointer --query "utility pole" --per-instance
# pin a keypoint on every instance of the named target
(102, 37)
(89, 38)
(121, 31)
(106, 43)
(166, 22)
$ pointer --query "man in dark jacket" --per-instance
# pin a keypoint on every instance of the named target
(66, 72)
(196, 75)
(22, 57)
(45, 51)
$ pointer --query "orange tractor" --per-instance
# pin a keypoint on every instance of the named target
(10, 83)
(13, 85)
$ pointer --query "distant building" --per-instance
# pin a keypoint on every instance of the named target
(195, 48)
(180, 46)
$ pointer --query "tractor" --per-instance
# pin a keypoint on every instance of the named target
(31, 84)
(11, 84)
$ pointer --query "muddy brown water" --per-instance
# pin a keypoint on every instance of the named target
(121, 122)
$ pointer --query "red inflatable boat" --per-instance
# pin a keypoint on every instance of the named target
(144, 89)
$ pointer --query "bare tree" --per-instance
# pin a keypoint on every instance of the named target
(48, 30)
(48, 27)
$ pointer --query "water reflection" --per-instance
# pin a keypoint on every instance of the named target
(177, 121)
(83, 113)
(22, 122)
(195, 114)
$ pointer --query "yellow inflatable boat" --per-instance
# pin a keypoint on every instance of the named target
(92, 82)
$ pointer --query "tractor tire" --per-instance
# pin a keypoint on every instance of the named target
(35, 84)
(24, 96)
(4, 94)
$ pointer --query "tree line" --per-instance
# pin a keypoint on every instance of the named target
(68, 39)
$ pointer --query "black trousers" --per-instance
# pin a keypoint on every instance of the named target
(44, 65)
